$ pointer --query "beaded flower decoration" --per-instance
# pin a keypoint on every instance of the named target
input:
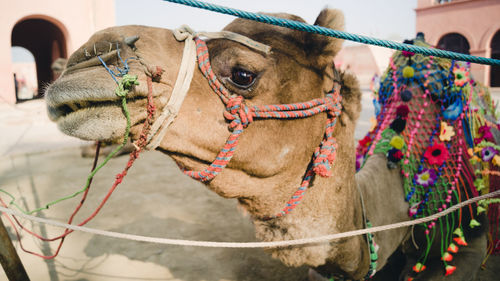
(438, 125)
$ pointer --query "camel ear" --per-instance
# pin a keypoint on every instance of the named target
(324, 45)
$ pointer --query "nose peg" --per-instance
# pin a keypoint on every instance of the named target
(130, 41)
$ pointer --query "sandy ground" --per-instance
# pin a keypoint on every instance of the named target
(155, 200)
(39, 164)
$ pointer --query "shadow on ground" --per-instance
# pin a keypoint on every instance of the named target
(194, 263)
(155, 199)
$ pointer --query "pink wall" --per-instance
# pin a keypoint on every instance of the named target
(476, 20)
(364, 60)
(78, 20)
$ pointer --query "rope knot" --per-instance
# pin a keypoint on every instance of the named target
(184, 32)
(238, 112)
(156, 72)
(334, 102)
(126, 84)
(323, 158)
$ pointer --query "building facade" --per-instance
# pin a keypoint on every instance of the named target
(465, 26)
(49, 30)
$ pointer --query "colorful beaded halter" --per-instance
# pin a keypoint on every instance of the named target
(239, 115)
(438, 125)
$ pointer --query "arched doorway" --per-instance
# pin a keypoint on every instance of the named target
(24, 69)
(454, 42)
(495, 54)
(46, 41)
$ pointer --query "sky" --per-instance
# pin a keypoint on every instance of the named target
(384, 19)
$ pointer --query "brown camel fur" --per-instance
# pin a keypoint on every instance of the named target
(272, 155)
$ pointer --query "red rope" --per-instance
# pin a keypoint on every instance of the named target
(70, 220)
(141, 143)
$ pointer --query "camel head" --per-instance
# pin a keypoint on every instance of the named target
(272, 155)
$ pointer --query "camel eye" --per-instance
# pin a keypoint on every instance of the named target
(242, 78)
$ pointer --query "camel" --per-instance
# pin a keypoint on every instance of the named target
(272, 154)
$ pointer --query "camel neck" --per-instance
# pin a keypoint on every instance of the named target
(382, 189)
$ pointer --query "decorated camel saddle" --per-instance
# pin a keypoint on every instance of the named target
(439, 126)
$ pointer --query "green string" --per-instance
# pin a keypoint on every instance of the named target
(430, 241)
(124, 85)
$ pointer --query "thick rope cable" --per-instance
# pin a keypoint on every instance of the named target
(335, 33)
(274, 244)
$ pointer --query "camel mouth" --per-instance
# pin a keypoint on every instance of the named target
(65, 109)
(90, 112)
(189, 162)
(56, 112)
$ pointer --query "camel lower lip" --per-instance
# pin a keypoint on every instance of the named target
(187, 162)
(103, 123)
(72, 107)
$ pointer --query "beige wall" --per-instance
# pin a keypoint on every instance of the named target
(78, 19)
(364, 60)
(476, 20)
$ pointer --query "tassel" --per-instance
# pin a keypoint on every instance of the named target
(450, 269)
(447, 257)
(452, 248)
(419, 267)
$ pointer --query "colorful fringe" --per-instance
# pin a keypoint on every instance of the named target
(439, 125)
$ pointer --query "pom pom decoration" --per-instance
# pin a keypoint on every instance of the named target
(408, 72)
(407, 54)
(365, 142)
(394, 155)
(398, 125)
(402, 111)
(406, 96)
(397, 142)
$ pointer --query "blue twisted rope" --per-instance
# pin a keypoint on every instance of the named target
(335, 33)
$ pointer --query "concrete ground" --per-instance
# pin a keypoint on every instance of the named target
(39, 164)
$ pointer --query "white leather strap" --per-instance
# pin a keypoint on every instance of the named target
(185, 75)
